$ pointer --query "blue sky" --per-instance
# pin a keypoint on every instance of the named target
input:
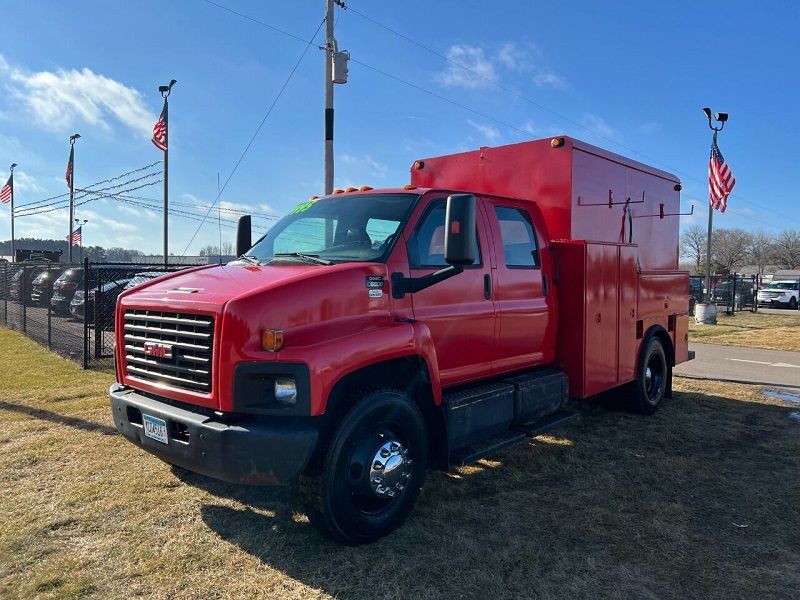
(627, 76)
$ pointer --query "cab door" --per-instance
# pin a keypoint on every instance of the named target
(458, 311)
(525, 319)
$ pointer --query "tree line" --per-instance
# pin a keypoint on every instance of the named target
(95, 253)
(732, 249)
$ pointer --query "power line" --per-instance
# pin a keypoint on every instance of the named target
(258, 129)
(92, 196)
(91, 185)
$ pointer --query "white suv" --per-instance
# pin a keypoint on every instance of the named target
(780, 293)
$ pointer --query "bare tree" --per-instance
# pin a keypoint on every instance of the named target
(731, 248)
(693, 245)
(786, 249)
(761, 250)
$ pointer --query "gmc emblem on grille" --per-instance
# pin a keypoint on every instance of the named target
(158, 350)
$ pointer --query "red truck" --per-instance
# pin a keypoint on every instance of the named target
(372, 334)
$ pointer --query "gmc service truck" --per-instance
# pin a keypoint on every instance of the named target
(372, 334)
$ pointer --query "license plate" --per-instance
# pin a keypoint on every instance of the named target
(155, 428)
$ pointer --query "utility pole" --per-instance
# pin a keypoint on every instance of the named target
(71, 183)
(161, 141)
(13, 250)
(335, 72)
(329, 45)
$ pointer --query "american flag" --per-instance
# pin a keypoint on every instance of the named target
(76, 236)
(7, 191)
(68, 174)
(160, 133)
(720, 179)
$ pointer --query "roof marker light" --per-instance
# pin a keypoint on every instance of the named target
(338, 191)
(419, 164)
(364, 188)
(409, 186)
(556, 142)
(351, 189)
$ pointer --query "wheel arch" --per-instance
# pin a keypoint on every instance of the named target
(408, 374)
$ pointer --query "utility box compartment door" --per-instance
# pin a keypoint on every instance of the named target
(597, 300)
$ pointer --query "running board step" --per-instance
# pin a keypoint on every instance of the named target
(506, 439)
(559, 419)
(491, 445)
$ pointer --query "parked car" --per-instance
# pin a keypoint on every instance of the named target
(780, 293)
(22, 280)
(144, 276)
(745, 293)
(42, 287)
(65, 286)
(696, 289)
(106, 299)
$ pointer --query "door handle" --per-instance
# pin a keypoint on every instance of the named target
(487, 287)
(544, 284)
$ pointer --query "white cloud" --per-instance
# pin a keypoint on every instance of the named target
(63, 99)
(650, 128)
(530, 128)
(550, 79)
(489, 132)
(365, 163)
(26, 184)
(473, 58)
(599, 126)
(515, 57)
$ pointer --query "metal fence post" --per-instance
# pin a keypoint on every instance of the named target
(6, 283)
(85, 313)
(49, 320)
(22, 292)
(98, 331)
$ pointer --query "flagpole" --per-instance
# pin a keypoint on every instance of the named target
(71, 168)
(165, 91)
(13, 250)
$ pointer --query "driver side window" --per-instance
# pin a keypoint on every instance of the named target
(426, 246)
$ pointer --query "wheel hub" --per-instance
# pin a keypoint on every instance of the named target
(390, 470)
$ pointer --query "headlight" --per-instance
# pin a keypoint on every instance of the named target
(286, 391)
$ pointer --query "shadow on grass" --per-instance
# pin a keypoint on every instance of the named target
(54, 417)
(688, 503)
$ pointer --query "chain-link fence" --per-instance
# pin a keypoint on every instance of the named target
(69, 308)
(737, 292)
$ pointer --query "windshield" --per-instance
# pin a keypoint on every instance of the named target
(337, 229)
(784, 285)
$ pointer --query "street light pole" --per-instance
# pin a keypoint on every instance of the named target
(80, 242)
(166, 90)
(722, 119)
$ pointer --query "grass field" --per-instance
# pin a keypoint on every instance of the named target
(701, 500)
(757, 330)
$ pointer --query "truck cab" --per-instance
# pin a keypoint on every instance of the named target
(372, 334)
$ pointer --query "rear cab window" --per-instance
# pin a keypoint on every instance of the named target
(520, 249)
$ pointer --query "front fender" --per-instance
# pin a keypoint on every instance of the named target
(333, 359)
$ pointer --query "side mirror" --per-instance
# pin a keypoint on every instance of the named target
(459, 234)
(243, 235)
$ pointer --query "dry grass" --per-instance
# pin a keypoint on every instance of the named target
(701, 500)
(755, 330)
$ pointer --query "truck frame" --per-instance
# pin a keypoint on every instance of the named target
(372, 334)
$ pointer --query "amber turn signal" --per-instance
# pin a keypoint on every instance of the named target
(272, 339)
(557, 142)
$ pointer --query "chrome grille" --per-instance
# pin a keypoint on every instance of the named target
(191, 340)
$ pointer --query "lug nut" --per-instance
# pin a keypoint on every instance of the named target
(394, 447)
(377, 465)
(385, 453)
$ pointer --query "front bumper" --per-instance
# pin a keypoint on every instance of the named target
(253, 450)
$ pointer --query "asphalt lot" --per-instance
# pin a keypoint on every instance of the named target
(742, 365)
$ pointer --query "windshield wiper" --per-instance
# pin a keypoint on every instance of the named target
(250, 258)
(313, 258)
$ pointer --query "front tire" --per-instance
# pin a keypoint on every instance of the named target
(369, 477)
(793, 303)
(650, 386)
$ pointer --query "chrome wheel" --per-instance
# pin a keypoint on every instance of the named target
(390, 470)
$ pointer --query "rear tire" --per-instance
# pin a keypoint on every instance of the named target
(366, 482)
(793, 303)
(653, 371)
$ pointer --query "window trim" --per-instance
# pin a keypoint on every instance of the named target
(535, 253)
(412, 239)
